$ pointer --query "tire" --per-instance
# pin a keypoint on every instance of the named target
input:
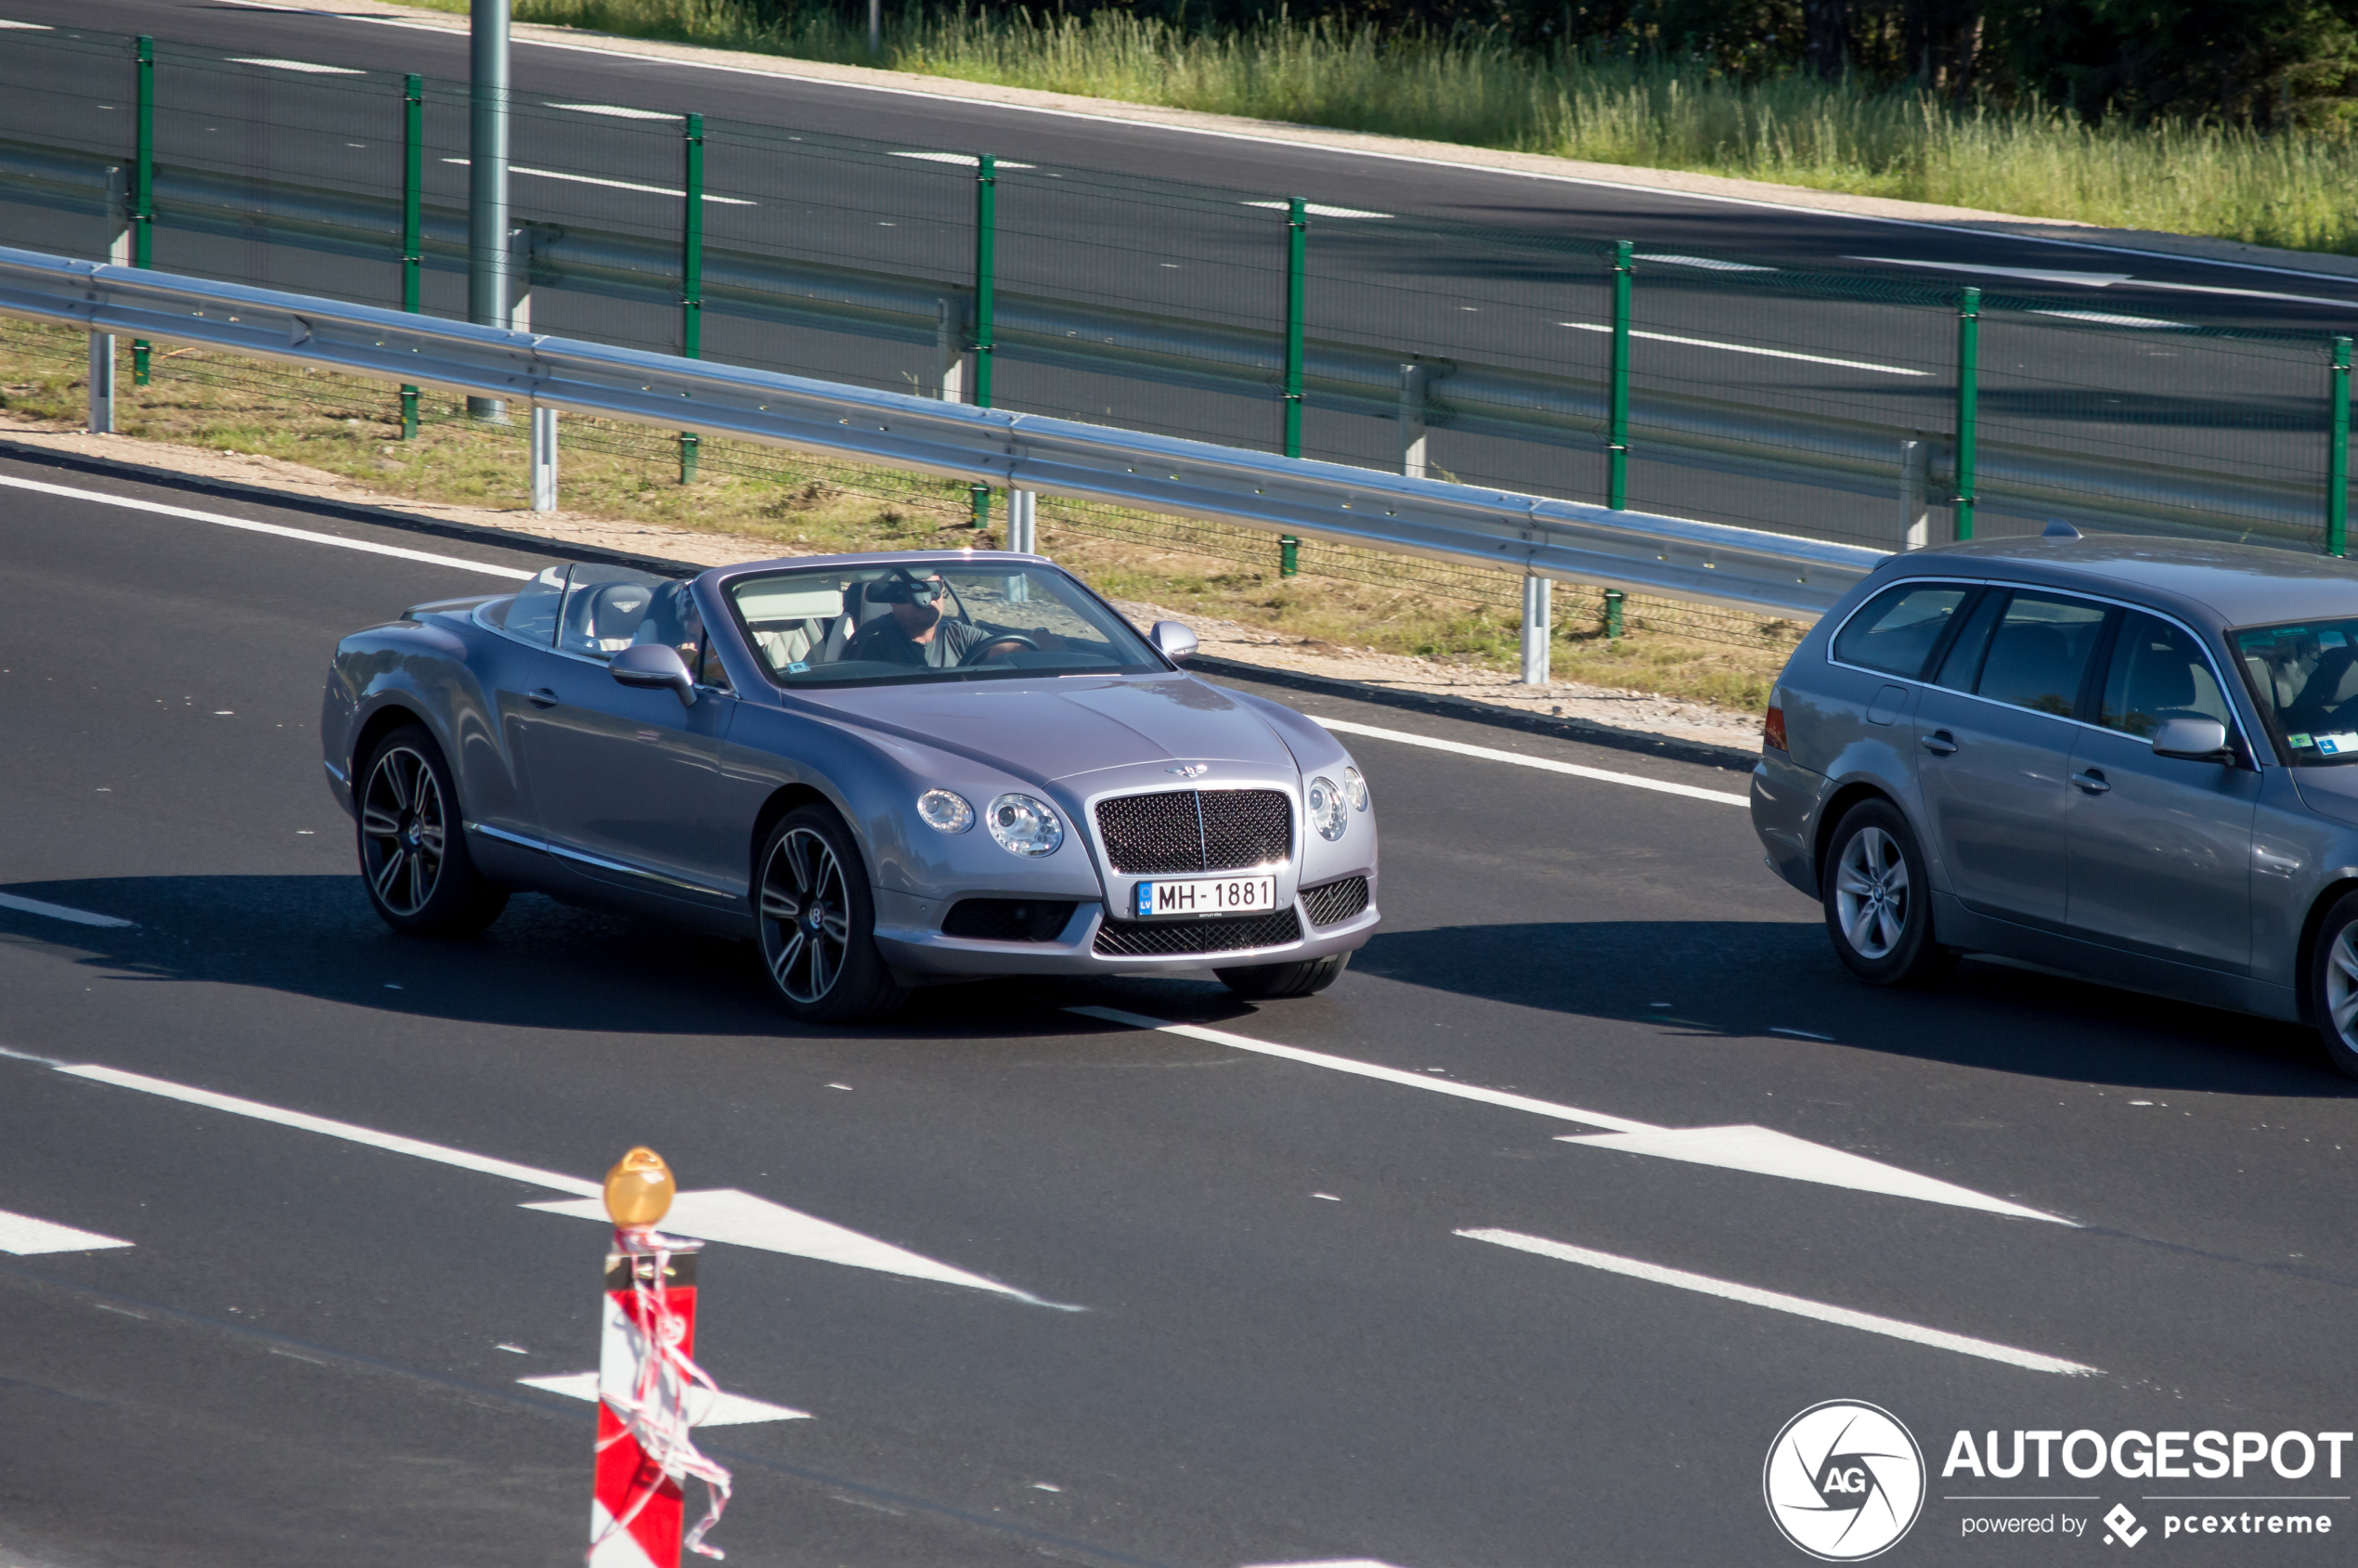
(817, 918)
(1268, 982)
(1878, 900)
(412, 846)
(2333, 984)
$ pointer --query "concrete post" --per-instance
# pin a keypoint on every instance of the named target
(1414, 381)
(520, 241)
(488, 255)
(101, 383)
(544, 457)
(950, 343)
(1915, 487)
(1537, 619)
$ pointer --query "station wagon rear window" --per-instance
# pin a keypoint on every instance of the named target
(2305, 678)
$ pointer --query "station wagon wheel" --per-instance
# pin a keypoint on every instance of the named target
(413, 853)
(2333, 983)
(1878, 900)
(817, 920)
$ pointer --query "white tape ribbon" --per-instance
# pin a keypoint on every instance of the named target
(654, 1413)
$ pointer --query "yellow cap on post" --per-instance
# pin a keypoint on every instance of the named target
(638, 1190)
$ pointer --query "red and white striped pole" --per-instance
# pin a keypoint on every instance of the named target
(646, 1447)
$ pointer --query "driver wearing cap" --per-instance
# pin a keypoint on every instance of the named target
(915, 633)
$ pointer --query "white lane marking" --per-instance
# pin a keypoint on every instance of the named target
(2110, 280)
(1776, 1301)
(614, 110)
(613, 185)
(304, 66)
(1747, 348)
(1947, 229)
(1325, 1563)
(2107, 318)
(281, 530)
(742, 1220)
(1761, 1151)
(1766, 1152)
(963, 159)
(30, 26)
(729, 1410)
(60, 911)
(1369, 1069)
(1574, 770)
(1710, 264)
(1314, 210)
(23, 1235)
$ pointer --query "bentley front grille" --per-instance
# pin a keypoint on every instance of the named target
(1195, 830)
(1337, 901)
(1129, 938)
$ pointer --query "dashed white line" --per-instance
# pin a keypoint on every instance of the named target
(1317, 211)
(189, 514)
(613, 185)
(1547, 765)
(963, 160)
(1747, 348)
(306, 67)
(60, 911)
(1776, 1301)
(614, 110)
(1709, 264)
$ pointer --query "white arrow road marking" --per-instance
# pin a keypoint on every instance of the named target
(1545, 765)
(723, 1215)
(1778, 1301)
(729, 1410)
(1772, 1153)
(1758, 1149)
(23, 1235)
(742, 1220)
(60, 911)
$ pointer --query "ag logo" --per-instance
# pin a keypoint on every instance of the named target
(1843, 1481)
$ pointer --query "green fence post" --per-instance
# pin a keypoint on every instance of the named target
(986, 269)
(2337, 456)
(978, 505)
(413, 179)
(1289, 555)
(1617, 427)
(143, 193)
(1613, 614)
(1968, 398)
(691, 272)
(1297, 266)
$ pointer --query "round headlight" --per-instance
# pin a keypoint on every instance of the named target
(1355, 789)
(1327, 812)
(1025, 826)
(945, 811)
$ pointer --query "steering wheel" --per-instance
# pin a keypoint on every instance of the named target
(982, 650)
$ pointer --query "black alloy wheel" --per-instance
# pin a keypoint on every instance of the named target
(2333, 984)
(818, 922)
(1878, 899)
(1270, 983)
(413, 851)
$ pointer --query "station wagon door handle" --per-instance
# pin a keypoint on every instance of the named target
(544, 697)
(1940, 742)
(2090, 781)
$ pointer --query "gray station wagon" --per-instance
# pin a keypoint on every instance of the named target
(2134, 760)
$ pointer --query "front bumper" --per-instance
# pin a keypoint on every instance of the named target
(908, 932)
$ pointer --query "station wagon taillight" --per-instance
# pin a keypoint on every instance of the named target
(1772, 729)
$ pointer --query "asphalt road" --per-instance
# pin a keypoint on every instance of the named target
(1155, 219)
(1284, 1352)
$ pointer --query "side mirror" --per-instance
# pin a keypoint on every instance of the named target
(2196, 739)
(655, 666)
(1173, 641)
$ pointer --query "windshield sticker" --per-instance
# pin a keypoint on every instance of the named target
(2342, 742)
(2299, 742)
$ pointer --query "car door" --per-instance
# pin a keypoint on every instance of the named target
(1995, 738)
(624, 781)
(2160, 846)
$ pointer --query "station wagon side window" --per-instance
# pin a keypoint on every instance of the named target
(2158, 671)
(1901, 628)
(2039, 653)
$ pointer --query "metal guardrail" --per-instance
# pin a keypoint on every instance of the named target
(1722, 435)
(1679, 558)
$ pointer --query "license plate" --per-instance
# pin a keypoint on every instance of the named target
(1218, 895)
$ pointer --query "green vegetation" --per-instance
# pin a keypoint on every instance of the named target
(2278, 174)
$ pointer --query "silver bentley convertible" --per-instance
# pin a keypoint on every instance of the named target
(889, 771)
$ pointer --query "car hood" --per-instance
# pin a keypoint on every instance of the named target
(1058, 729)
(2329, 792)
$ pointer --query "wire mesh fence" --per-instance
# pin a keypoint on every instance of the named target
(1726, 388)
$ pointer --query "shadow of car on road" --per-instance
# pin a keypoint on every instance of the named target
(1778, 980)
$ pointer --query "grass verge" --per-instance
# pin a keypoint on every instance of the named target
(1344, 597)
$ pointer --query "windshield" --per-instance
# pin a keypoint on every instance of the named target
(2305, 678)
(932, 621)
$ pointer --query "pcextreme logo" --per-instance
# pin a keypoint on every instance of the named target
(1843, 1481)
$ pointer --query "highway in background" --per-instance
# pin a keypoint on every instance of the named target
(1265, 1294)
